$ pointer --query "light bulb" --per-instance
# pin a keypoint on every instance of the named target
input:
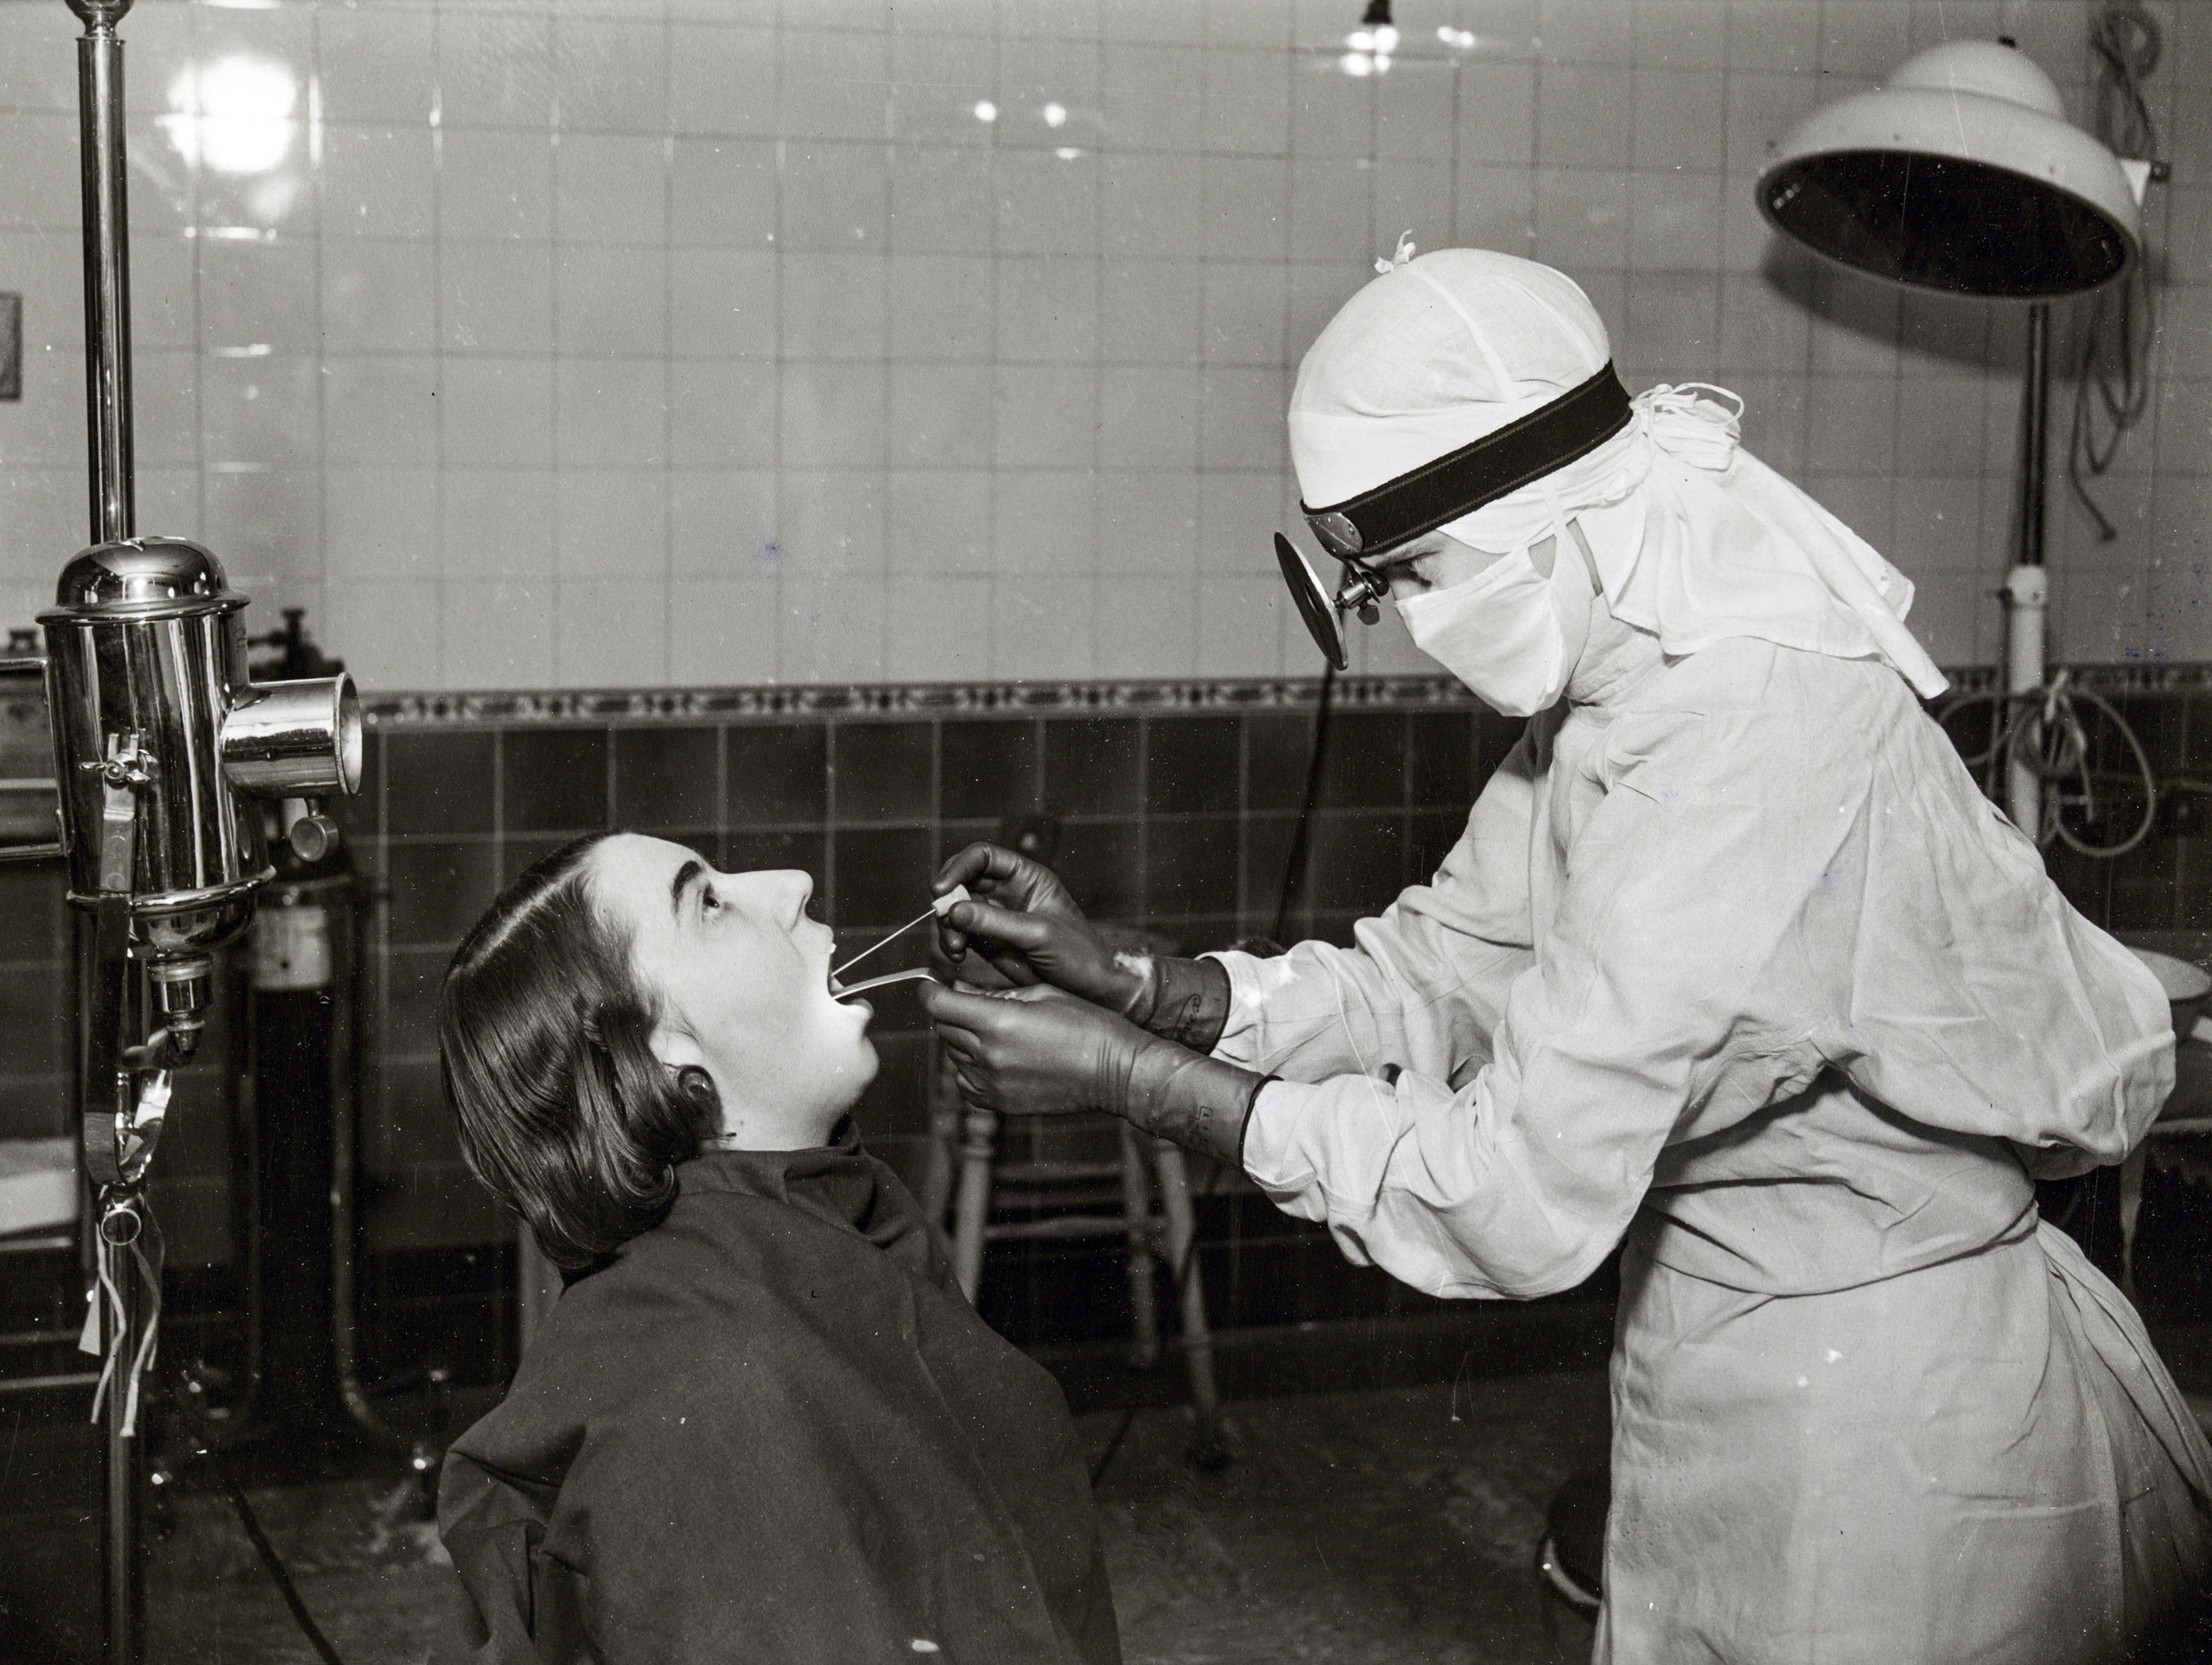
(1055, 115)
(235, 115)
(1356, 63)
(986, 110)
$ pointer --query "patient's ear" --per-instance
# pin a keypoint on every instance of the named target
(679, 1054)
(698, 1088)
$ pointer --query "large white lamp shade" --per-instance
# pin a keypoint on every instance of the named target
(1962, 174)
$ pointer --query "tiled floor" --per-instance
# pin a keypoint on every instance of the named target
(1394, 1525)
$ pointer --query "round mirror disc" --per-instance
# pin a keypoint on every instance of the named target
(1312, 601)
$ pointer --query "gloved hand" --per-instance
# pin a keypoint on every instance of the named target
(1038, 1052)
(1028, 930)
(1024, 925)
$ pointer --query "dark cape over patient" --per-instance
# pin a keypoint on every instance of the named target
(771, 1429)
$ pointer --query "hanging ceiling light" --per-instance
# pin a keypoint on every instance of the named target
(1369, 46)
(1378, 44)
(236, 116)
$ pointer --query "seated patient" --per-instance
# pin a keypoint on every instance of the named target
(762, 1423)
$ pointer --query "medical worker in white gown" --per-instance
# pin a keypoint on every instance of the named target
(1733, 960)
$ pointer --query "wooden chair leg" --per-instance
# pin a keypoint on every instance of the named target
(1137, 1214)
(1197, 1339)
(943, 1106)
(973, 1208)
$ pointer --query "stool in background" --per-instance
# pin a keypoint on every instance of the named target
(1168, 1234)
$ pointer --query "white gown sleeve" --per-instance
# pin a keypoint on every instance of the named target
(1650, 1009)
(1425, 986)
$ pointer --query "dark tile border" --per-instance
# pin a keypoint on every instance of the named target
(522, 707)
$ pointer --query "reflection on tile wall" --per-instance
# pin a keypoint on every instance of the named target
(631, 342)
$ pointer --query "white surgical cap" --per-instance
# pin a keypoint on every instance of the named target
(1695, 539)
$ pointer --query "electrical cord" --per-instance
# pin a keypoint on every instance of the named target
(275, 1563)
(1113, 1447)
(2115, 370)
(1294, 869)
(199, 1447)
(2043, 729)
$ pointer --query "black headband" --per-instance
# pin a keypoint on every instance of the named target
(1571, 426)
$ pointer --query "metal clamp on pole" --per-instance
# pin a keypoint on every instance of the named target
(113, 1156)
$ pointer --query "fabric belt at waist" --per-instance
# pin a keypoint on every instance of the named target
(1830, 1191)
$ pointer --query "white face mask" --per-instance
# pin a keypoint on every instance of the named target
(1511, 633)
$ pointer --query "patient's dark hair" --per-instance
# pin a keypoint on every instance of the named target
(546, 1042)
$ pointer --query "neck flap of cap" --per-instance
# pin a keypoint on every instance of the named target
(1461, 482)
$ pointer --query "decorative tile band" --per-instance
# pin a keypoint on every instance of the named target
(2146, 677)
(920, 700)
(643, 705)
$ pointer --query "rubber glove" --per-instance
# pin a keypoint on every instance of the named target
(1028, 929)
(1038, 1052)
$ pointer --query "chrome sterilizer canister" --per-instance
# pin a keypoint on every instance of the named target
(147, 675)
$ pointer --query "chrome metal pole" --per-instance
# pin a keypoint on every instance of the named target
(2027, 588)
(106, 234)
(123, 1473)
(107, 268)
(162, 751)
(2037, 417)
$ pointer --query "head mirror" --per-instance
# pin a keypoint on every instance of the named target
(1313, 603)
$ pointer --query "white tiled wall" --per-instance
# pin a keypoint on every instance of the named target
(625, 342)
